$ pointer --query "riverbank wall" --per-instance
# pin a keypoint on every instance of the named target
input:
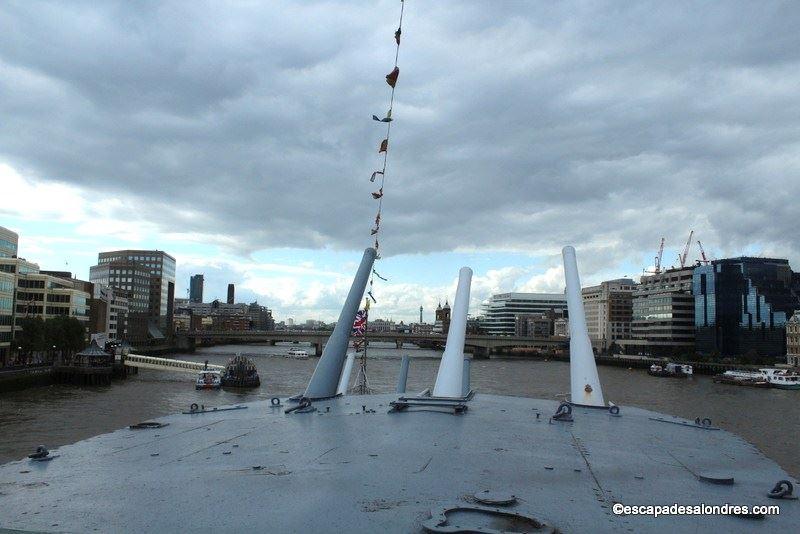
(16, 378)
(635, 362)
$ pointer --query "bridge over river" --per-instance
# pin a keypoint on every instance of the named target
(480, 345)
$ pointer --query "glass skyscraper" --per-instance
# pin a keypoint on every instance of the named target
(196, 288)
(742, 306)
(8, 243)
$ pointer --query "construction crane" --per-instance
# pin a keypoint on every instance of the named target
(657, 265)
(704, 259)
(682, 257)
(658, 258)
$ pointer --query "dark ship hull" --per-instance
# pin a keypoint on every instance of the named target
(241, 382)
(667, 374)
(241, 372)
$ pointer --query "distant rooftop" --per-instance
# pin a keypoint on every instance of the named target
(530, 296)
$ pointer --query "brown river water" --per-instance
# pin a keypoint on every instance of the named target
(57, 415)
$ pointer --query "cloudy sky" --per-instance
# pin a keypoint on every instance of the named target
(237, 136)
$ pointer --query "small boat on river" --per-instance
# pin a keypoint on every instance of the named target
(742, 378)
(241, 372)
(782, 378)
(671, 370)
(297, 354)
(208, 379)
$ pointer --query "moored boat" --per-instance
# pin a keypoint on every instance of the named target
(241, 372)
(209, 379)
(782, 378)
(742, 378)
(671, 370)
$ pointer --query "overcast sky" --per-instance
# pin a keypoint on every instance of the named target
(237, 137)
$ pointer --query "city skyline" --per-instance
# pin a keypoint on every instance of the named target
(492, 283)
(519, 129)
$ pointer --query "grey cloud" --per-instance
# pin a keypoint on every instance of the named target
(518, 125)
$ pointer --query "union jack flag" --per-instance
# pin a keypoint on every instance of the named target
(360, 324)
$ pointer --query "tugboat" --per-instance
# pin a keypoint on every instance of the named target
(241, 372)
(671, 370)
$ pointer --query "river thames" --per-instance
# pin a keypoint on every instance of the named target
(57, 415)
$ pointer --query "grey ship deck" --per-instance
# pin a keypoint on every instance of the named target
(342, 469)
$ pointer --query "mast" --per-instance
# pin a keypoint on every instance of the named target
(362, 382)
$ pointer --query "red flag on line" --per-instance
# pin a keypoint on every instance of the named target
(384, 146)
(391, 78)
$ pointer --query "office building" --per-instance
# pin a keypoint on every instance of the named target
(561, 327)
(382, 326)
(230, 294)
(9, 241)
(793, 340)
(609, 309)
(10, 269)
(216, 315)
(501, 310)
(196, 288)
(129, 279)
(46, 296)
(109, 314)
(260, 317)
(215, 307)
(27, 291)
(83, 285)
(181, 322)
(742, 306)
(8, 249)
(162, 275)
(224, 316)
(475, 325)
(662, 321)
(422, 328)
(161, 295)
(535, 325)
(6, 315)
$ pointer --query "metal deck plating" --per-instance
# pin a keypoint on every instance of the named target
(347, 468)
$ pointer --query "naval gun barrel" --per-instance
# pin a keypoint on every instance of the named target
(584, 382)
(451, 369)
(344, 380)
(324, 381)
